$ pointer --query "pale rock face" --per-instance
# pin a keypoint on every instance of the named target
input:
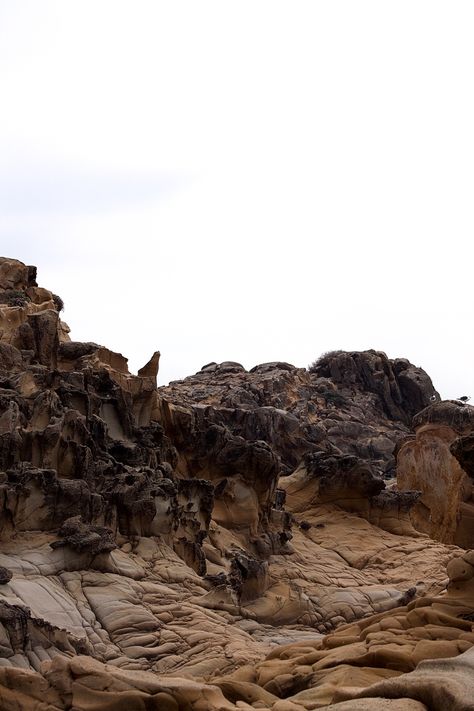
(188, 547)
(427, 462)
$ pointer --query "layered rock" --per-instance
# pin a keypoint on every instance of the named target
(158, 544)
(374, 658)
(379, 659)
(100, 509)
(351, 484)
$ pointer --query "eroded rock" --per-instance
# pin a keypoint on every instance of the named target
(433, 462)
(160, 545)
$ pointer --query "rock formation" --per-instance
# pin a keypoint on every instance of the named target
(358, 403)
(187, 547)
(438, 462)
(380, 650)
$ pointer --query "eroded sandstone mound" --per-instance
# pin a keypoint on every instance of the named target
(437, 461)
(158, 544)
(381, 651)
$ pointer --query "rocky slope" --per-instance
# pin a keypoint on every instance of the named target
(160, 545)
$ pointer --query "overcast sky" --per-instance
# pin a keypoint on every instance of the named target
(245, 180)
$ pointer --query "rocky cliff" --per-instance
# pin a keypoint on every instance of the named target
(187, 547)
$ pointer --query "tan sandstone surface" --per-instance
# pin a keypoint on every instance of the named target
(436, 462)
(188, 547)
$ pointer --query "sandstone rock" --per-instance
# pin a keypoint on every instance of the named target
(386, 646)
(16, 275)
(28, 314)
(159, 546)
(150, 370)
(428, 463)
(351, 484)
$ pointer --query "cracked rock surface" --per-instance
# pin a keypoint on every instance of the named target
(234, 540)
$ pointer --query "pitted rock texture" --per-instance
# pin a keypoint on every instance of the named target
(158, 544)
(358, 403)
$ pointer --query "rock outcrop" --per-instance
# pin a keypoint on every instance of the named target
(437, 462)
(29, 315)
(187, 547)
(358, 403)
(402, 389)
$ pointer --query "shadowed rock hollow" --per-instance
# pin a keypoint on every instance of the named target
(187, 547)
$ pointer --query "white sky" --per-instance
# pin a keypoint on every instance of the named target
(245, 180)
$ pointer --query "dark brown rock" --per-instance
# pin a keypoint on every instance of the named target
(452, 413)
(248, 577)
(11, 360)
(85, 538)
(352, 403)
(5, 575)
(463, 449)
(402, 388)
(44, 337)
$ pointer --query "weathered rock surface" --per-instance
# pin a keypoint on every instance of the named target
(158, 546)
(382, 650)
(357, 403)
(29, 314)
(438, 462)
(402, 388)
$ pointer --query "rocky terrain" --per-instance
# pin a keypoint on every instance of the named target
(279, 538)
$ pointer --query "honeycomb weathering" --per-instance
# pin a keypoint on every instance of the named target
(235, 540)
